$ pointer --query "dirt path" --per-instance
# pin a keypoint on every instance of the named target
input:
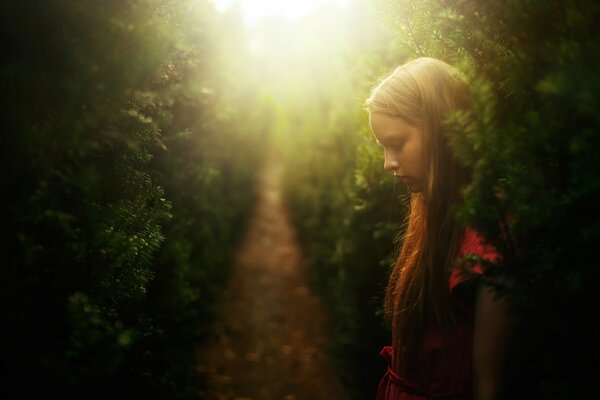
(271, 343)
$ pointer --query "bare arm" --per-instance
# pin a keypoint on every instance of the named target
(490, 335)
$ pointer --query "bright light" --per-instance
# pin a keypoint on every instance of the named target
(253, 10)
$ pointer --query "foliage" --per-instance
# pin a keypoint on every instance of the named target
(530, 141)
(115, 166)
(132, 131)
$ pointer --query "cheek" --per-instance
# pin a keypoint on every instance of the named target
(420, 163)
(414, 164)
(414, 156)
(418, 157)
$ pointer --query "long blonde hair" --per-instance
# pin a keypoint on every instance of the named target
(424, 92)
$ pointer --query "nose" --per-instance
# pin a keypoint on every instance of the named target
(390, 164)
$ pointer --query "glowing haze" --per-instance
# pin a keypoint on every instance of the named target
(253, 10)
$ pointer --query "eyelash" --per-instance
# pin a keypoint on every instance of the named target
(397, 145)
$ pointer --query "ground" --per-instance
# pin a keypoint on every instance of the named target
(271, 341)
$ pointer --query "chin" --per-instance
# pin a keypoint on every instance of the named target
(414, 188)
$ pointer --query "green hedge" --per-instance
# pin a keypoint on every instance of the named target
(121, 201)
(531, 142)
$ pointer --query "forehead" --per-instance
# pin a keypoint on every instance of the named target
(386, 126)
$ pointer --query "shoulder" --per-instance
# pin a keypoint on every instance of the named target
(474, 255)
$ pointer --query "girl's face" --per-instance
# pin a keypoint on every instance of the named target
(402, 149)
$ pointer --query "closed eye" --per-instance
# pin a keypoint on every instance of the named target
(397, 145)
(391, 145)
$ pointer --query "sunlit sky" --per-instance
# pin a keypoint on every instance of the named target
(253, 10)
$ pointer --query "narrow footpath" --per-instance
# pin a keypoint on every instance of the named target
(271, 340)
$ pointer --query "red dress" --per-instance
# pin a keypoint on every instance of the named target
(400, 383)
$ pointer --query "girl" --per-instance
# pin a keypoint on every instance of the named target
(448, 328)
